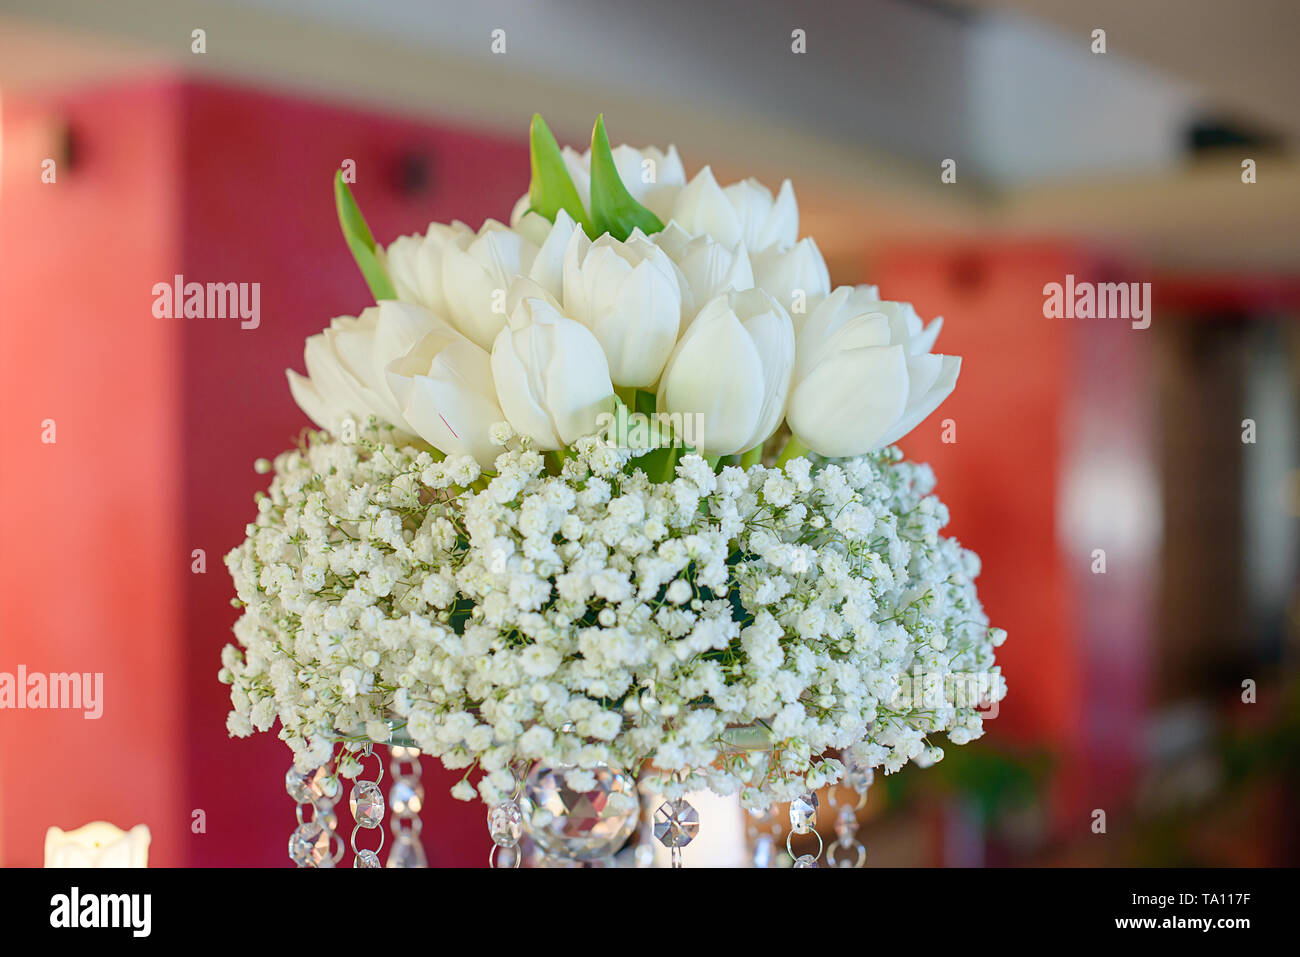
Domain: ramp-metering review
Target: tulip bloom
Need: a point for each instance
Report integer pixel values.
(706, 268)
(863, 374)
(346, 364)
(476, 272)
(628, 295)
(445, 390)
(796, 278)
(550, 372)
(414, 264)
(744, 212)
(733, 366)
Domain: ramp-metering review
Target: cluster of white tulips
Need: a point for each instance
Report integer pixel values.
(686, 297)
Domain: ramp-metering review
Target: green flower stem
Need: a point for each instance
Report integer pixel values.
(753, 457)
(793, 449)
(713, 461)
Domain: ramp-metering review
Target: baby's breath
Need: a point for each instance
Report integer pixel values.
(577, 613)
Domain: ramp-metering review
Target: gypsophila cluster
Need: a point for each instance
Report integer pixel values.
(579, 615)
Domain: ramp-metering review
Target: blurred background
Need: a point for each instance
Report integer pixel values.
(1134, 493)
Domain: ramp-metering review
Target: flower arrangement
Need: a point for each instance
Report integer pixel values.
(477, 549)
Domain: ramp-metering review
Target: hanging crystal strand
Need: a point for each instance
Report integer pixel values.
(367, 805)
(676, 824)
(763, 830)
(505, 824)
(315, 841)
(405, 800)
(846, 840)
(643, 855)
(803, 820)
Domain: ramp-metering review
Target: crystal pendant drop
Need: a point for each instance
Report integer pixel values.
(505, 824)
(405, 796)
(859, 779)
(309, 846)
(676, 823)
(846, 824)
(805, 860)
(803, 813)
(299, 785)
(407, 852)
(578, 824)
(367, 804)
(368, 858)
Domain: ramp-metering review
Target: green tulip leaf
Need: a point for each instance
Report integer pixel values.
(357, 235)
(551, 189)
(613, 210)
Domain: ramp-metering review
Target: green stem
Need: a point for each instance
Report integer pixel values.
(713, 461)
(753, 457)
(793, 449)
(627, 395)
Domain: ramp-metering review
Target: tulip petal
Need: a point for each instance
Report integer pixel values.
(917, 413)
(311, 402)
(702, 208)
(518, 395)
(716, 370)
(449, 407)
(924, 342)
(850, 400)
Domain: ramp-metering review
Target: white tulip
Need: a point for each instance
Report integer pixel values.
(863, 374)
(706, 268)
(445, 390)
(796, 278)
(346, 364)
(733, 366)
(627, 294)
(552, 241)
(414, 264)
(744, 212)
(651, 176)
(476, 273)
(552, 380)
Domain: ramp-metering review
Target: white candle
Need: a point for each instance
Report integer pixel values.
(98, 844)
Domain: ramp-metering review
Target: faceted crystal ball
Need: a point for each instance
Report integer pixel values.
(579, 825)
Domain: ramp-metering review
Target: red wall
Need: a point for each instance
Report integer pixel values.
(159, 423)
(90, 548)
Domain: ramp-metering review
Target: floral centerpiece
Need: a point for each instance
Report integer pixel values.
(611, 491)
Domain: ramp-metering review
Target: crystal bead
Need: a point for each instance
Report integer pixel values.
(405, 796)
(805, 860)
(859, 779)
(581, 825)
(676, 823)
(299, 785)
(846, 824)
(407, 852)
(763, 850)
(367, 804)
(368, 858)
(325, 814)
(504, 824)
(803, 813)
(309, 845)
